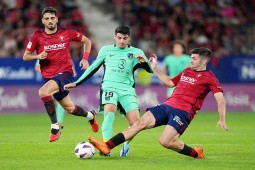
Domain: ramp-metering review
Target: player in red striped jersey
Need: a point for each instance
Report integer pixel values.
(52, 49)
(192, 86)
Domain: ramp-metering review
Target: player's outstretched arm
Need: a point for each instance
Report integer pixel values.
(163, 77)
(84, 64)
(28, 56)
(221, 109)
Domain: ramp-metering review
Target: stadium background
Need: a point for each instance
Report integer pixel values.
(227, 27)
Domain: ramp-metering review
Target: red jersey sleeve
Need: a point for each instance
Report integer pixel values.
(75, 36)
(215, 85)
(33, 43)
(176, 79)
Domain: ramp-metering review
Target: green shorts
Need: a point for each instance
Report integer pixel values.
(124, 100)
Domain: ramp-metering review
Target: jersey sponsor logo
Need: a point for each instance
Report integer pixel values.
(188, 79)
(122, 63)
(130, 55)
(178, 120)
(61, 38)
(29, 45)
(55, 47)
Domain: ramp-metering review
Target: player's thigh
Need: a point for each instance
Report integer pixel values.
(132, 116)
(67, 104)
(49, 88)
(147, 121)
(108, 100)
(128, 103)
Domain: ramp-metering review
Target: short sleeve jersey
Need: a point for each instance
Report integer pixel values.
(57, 46)
(119, 66)
(191, 89)
(176, 64)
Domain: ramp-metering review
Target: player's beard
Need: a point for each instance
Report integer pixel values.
(51, 27)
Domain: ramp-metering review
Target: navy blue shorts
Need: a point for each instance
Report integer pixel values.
(61, 79)
(167, 115)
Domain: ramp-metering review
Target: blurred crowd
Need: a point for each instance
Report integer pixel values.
(225, 26)
(20, 18)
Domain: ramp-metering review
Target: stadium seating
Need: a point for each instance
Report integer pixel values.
(21, 18)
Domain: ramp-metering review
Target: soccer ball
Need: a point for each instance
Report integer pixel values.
(84, 150)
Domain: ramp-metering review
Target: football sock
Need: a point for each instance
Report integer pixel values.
(60, 113)
(78, 111)
(115, 140)
(90, 116)
(54, 128)
(107, 126)
(188, 151)
(50, 108)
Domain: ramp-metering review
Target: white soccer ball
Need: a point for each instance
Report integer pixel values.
(84, 150)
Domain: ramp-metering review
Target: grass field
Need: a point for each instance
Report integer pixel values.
(24, 145)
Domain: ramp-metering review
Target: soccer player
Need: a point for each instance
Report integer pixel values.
(52, 48)
(192, 86)
(117, 89)
(60, 111)
(176, 62)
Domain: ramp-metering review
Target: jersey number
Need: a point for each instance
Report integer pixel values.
(108, 95)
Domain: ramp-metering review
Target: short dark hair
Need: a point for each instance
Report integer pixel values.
(51, 10)
(180, 42)
(123, 29)
(202, 52)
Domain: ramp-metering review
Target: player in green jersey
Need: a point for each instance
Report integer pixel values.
(176, 62)
(118, 86)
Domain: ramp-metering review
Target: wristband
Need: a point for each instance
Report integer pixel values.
(85, 55)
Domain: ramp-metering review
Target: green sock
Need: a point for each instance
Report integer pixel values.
(107, 126)
(60, 113)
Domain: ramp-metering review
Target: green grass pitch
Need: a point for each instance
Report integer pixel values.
(24, 144)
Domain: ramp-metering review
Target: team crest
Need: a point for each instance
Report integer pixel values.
(61, 38)
(130, 55)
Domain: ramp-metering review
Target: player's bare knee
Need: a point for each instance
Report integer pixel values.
(43, 92)
(166, 143)
(132, 122)
(163, 142)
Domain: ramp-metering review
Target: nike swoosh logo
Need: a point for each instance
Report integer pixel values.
(112, 55)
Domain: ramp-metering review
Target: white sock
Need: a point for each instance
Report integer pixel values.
(90, 116)
(55, 126)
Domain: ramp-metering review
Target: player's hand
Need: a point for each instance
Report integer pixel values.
(42, 55)
(222, 124)
(84, 64)
(153, 61)
(140, 58)
(69, 86)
